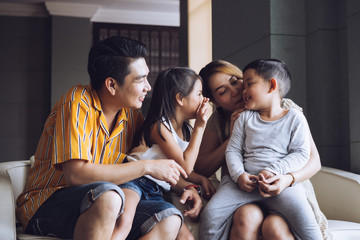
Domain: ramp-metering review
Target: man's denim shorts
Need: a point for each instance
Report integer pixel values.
(58, 215)
(151, 201)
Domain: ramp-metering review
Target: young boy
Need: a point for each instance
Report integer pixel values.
(269, 140)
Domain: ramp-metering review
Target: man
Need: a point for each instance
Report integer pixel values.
(72, 189)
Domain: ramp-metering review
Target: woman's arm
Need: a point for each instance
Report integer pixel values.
(207, 189)
(211, 154)
(278, 183)
(212, 151)
(312, 166)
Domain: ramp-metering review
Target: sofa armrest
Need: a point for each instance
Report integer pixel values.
(7, 206)
(338, 194)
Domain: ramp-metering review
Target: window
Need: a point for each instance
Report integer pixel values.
(162, 45)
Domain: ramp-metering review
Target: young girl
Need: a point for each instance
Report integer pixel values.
(177, 97)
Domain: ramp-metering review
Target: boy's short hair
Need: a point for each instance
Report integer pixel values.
(272, 68)
(111, 58)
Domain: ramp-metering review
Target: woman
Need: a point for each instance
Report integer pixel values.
(223, 86)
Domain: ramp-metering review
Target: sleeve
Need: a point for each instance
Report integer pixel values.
(72, 133)
(234, 149)
(298, 149)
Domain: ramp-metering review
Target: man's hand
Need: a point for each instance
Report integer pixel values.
(166, 170)
(247, 182)
(191, 197)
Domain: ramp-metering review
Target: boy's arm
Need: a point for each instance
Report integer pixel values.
(298, 149)
(234, 150)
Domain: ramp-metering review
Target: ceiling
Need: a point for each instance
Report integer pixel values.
(153, 12)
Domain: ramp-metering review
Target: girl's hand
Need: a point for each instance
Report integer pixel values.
(247, 182)
(273, 186)
(201, 117)
(207, 189)
(234, 116)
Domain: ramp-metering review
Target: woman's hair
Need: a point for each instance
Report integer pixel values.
(272, 68)
(111, 58)
(218, 66)
(162, 106)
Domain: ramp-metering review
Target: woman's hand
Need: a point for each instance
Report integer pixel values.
(274, 186)
(201, 117)
(234, 116)
(207, 189)
(247, 182)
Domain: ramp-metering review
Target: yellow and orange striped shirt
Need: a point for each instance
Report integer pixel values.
(75, 129)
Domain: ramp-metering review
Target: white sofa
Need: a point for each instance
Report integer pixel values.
(337, 191)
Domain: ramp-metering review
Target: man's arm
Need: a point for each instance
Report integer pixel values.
(79, 172)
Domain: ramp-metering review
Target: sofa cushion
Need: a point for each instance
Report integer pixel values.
(344, 230)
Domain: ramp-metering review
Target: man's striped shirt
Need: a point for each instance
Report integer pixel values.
(75, 129)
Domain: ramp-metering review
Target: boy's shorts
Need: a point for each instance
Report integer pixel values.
(58, 215)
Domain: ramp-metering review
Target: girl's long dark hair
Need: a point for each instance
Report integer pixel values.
(162, 106)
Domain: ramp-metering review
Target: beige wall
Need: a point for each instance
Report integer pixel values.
(200, 35)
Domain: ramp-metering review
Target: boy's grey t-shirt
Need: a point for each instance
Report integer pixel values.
(280, 146)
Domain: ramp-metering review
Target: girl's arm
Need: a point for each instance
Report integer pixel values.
(186, 159)
(172, 150)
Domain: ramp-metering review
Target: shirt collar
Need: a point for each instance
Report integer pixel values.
(96, 99)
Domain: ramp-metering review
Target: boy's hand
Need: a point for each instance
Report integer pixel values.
(201, 117)
(247, 182)
(266, 174)
(207, 189)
